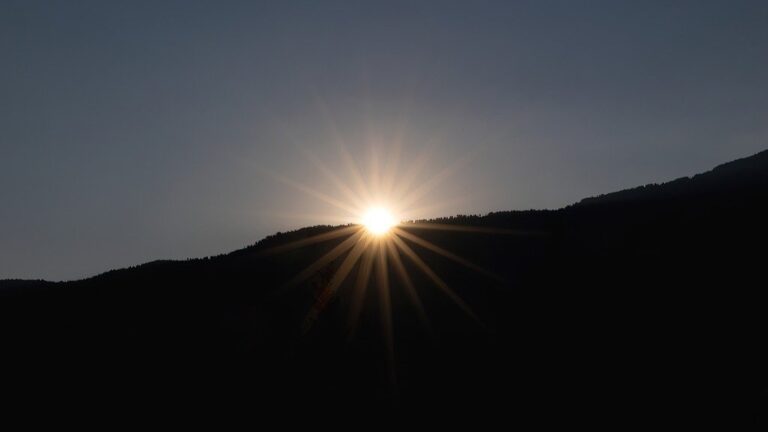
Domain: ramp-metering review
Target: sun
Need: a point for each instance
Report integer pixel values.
(378, 221)
(377, 242)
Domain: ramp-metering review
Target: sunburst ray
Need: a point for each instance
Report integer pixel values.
(421, 265)
(351, 195)
(325, 259)
(354, 172)
(385, 308)
(359, 291)
(319, 195)
(374, 250)
(410, 288)
(319, 238)
(336, 280)
(437, 249)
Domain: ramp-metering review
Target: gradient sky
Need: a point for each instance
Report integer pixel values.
(132, 131)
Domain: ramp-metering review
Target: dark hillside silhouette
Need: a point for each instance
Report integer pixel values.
(640, 307)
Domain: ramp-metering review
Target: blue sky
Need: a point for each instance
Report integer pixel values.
(133, 131)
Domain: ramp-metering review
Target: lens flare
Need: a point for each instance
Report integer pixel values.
(377, 236)
(378, 221)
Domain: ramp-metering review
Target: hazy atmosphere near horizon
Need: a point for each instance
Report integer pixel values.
(134, 131)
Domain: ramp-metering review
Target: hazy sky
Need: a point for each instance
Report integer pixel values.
(133, 131)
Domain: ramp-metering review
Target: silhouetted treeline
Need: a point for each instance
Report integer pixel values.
(644, 307)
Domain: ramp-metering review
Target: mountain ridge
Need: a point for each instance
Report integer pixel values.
(637, 308)
(738, 171)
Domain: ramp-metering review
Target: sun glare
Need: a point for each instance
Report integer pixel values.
(377, 243)
(378, 221)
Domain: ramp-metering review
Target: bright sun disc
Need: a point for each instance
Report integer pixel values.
(378, 221)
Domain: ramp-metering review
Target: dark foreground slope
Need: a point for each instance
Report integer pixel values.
(645, 306)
